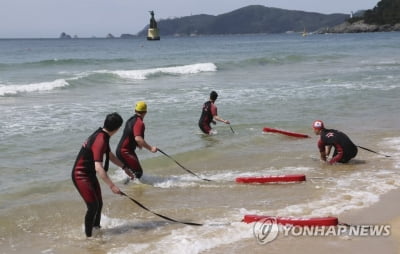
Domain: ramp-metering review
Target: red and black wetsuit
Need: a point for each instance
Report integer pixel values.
(84, 176)
(127, 145)
(207, 117)
(344, 147)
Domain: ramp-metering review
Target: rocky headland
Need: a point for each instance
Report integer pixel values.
(360, 27)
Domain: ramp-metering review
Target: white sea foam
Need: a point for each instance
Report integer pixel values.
(158, 181)
(394, 144)
(354, 191)
(184, 239)
(190, 239)
(189, 180)
(176, 70)
(266, 172)
(35, 87)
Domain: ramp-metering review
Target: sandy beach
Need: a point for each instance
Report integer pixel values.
(386, 211)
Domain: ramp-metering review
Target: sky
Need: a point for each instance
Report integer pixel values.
(97, 18)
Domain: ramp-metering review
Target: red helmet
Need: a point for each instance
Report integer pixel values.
(318, 124)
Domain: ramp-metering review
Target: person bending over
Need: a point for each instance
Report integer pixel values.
(344, 148)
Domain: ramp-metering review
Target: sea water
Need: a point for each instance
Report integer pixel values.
(54, 93)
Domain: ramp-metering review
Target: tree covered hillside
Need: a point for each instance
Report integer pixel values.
(247, 20)
(385, 12)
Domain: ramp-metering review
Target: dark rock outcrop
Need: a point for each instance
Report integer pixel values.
(360, 27)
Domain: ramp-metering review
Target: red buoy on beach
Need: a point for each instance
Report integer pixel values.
(287, 133)
(271, 179)
(316, 221)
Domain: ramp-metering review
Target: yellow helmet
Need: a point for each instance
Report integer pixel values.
(141, 106)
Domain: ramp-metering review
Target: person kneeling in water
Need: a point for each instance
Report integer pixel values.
(345, 149)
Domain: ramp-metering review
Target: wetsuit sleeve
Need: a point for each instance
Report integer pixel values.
(214, 110)
(138, 128)
(99, 147)
(339, 154)
(321, 146)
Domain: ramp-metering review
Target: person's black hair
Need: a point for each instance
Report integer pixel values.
(113, 121)
(213, 95)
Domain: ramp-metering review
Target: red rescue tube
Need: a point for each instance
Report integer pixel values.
(316, 221)
(287, 133)
(271, 179)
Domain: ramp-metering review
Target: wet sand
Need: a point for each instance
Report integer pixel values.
(133, 228)
(386, 211)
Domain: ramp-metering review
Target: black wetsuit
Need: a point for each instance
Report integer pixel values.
(345, 149)
(127, 145)
(84, 176)
(206, 118)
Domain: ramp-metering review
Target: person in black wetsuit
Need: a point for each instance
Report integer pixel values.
(132, 138)
(209, 114)
(89, 162)
(345, 149)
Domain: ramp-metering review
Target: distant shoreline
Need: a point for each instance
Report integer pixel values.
(360, 27)
(346, 27)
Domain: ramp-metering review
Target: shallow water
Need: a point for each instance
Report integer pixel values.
(54, 93)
